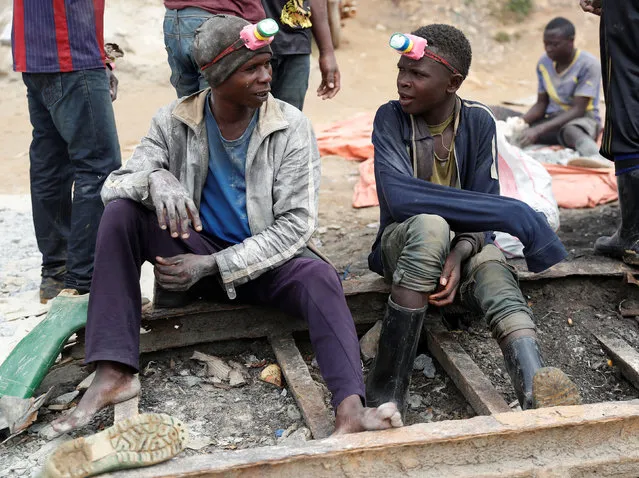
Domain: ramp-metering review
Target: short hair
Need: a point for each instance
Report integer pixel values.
(562, 24)
(450, 43)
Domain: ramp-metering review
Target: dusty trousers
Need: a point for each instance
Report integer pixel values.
(414, 252)
(307, 288)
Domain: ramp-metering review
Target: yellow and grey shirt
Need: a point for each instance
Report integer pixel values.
(581, 78)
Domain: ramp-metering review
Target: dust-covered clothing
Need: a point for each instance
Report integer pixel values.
(581, 78)
(282, 180)
(401, 145)
(414, 253)
(619, 37)
(303, 288)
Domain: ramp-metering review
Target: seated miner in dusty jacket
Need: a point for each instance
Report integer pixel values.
(437, 183)
(222, 193)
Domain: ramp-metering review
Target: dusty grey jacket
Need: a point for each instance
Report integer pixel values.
(282, 180)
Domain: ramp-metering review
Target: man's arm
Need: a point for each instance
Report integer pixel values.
(465, 211)
(295, 205)
(578, 110)
(132, 180)
(538, 110)
(330, 84)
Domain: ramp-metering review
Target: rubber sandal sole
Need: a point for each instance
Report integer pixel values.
(136, 442)
(553, 388)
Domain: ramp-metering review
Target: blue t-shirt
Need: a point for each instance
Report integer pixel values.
(581, 78)
(223, 203)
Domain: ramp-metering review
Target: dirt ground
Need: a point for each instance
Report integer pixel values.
(259, 414)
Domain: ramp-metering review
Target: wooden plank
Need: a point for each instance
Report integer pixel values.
(371, 283)
(126, 409)
(469, 379)
(599, 439)
(304, 389)
(623, 356)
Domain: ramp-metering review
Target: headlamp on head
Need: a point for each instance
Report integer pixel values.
(253, 37)
(408, 45)
(415, 48)
(260, 34)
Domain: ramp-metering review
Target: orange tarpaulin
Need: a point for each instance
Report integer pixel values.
(573, 187)
(576, 187)
(350, 139)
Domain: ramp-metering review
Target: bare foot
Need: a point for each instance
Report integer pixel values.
(353, 417)
(113, 383)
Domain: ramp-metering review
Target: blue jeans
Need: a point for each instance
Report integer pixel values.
(179, 32)
(290, 78)
(74, 147)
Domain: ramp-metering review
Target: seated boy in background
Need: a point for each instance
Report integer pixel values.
(436, 172)
(567, 108)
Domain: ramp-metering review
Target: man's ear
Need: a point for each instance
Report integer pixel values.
(454, 83)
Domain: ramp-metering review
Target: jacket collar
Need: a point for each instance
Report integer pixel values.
(190, 111)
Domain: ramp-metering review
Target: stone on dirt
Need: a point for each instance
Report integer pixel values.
(368, 343)
(424, 363)
(86, 383)
(293, 413)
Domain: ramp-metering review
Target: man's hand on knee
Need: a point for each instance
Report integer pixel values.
(181, 272)
(173, 206)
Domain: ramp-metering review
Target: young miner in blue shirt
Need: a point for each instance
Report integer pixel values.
(438, 188)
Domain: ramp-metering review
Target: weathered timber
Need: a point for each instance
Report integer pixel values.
(589, 440)
(469, 379)
(126, 409)
(623, 356)
(304, 389)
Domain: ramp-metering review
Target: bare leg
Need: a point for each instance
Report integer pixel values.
(409, 298)
(353, 417)
(113, 383)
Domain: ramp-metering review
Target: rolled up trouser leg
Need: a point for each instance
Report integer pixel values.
(414, 252)
(490, 287)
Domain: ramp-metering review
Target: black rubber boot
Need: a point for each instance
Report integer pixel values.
(537, 386)
(624, 243)
(389, 376)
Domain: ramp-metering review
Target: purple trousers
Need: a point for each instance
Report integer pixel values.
(308, 288)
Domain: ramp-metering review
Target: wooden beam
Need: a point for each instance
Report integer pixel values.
(600, 439)
(623, 356)
(469, 379)
(304, 389)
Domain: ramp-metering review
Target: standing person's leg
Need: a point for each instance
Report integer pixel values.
(310, 289)
(179, 32)
(84, 117)
(290, 78)
(489, 286)
(51, 178)
(413, 254)
(128, 236)
(620, 141)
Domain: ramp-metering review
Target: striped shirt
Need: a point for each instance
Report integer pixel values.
(51, 36)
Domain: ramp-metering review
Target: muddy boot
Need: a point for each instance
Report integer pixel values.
(536, 386)
(389, 375)
(624, 243)
(50, 287)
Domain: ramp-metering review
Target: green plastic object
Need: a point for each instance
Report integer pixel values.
(25, 368)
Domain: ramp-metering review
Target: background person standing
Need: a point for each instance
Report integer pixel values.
(181, 20)
(59, 48)
(292, 49)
